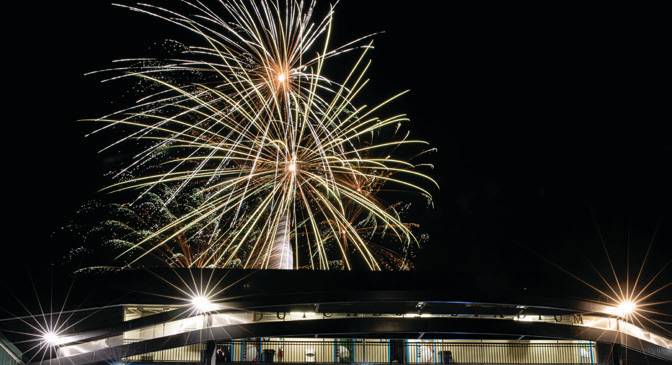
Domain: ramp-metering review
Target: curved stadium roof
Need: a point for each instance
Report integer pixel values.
(298, 303)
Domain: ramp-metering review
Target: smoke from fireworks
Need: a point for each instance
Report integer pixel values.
(291, 165)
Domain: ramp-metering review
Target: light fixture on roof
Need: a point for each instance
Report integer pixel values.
(52, 338)
(202, 304)
(623, 309)
(626, 308)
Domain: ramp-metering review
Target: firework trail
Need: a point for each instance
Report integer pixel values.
(292, 166)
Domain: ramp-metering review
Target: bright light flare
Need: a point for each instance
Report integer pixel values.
(202, 304)
(626, 308)
(52, 338)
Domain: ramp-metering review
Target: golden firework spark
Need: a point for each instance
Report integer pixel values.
(290, 161)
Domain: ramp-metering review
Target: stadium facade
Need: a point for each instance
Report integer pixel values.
(300, 317)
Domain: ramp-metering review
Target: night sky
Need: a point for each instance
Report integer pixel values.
(551, 124)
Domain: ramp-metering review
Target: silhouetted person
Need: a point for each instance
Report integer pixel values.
(220, 356)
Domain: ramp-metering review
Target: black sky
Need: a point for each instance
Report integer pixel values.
(551, 123)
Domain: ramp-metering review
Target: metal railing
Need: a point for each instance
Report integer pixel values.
(382, 351)
(191, 353)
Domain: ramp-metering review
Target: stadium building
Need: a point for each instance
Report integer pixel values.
(300, 317)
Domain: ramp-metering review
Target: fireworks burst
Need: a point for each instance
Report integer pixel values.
(291, 165)
(104, 230)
